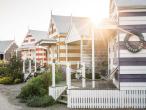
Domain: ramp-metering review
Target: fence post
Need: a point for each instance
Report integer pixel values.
(29, 65)
(68, 75)
(53, 74)
(24, 66)
(83, 75)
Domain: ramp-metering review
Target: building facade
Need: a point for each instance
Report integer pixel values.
(30, 51)
(127, 48)
(7, 49)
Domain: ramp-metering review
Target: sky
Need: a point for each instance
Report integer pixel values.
(17, 16)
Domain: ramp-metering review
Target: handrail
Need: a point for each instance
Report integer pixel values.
(113, 72)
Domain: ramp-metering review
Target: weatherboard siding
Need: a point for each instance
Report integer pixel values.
(132, 65)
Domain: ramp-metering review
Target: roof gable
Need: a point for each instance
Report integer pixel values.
(4, 45)
(38, 35)
(63, 23)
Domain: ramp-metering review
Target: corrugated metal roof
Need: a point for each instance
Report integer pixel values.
(63, 23)
(128, 3)
(38, 35)
(4, 45)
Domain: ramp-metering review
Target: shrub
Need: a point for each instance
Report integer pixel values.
(89, 76)
(37, 86)
(34, 93)
(34, 87)
(40, 101)
(14, 68)
(6, 80)
(16, 81)
(3, 70)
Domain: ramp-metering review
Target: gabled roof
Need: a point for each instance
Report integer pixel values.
(4, 45)
(38, 35)
(63, 23)
(131, 3)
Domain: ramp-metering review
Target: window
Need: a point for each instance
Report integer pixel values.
(32, 40)
(25, 41)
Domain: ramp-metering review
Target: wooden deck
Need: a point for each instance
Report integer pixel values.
(99, 85)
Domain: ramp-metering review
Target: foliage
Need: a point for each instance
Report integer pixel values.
(3, 70)
(16, 81)
(34, 87)
(6, 80)
(15, 68)
(103, 67)
(89, 76)
(34, 93)
(42, 101)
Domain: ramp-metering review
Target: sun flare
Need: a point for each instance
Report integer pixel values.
(99, 11)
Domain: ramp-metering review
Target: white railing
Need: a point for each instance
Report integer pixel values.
(106, 98)
(55, 92)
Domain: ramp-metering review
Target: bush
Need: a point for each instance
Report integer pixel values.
(3, 70)
(6, 80)
(89, 76)
(34, 93)
(34, 87)
(16, 81)
(37, 86)
(42, 101)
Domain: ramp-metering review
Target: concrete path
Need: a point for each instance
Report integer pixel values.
(5, 105)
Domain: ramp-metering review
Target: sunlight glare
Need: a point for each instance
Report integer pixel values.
(99, 11)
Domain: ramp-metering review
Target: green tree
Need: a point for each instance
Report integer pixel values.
(15, 68)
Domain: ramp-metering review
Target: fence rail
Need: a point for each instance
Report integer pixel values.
(55, 92)
(106, 98)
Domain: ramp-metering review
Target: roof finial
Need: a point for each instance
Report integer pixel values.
(14, 37)
(28, 27)
(71, 19)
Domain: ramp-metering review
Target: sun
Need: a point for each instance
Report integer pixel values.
(100, 10)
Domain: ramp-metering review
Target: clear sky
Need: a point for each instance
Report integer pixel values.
(16, 16)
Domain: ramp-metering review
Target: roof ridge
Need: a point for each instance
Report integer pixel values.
(72, 16)
(36, 30)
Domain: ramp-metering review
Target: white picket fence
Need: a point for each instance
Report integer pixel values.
(55, 92)
(106, 98)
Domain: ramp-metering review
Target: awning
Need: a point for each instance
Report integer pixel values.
(46, 42)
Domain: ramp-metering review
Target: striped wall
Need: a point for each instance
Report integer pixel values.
(39, 53)
(132, 66)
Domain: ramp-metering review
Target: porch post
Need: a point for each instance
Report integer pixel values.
(108, 57)
(68, 75)
(66, 53)
(16, 52)
(23, 66)
(29, 65)
(93, 59)
(83, 76)
(53, 74)
(35, 62)
(81, 49)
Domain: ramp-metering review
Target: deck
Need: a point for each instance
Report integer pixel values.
(99, 84)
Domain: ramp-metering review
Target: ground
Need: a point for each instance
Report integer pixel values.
(8, 100)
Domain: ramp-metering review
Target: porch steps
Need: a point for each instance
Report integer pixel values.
(63, 98)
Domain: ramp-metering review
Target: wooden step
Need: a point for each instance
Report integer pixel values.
(62, 101)
(64, 96)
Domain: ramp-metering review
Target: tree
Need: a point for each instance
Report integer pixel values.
(15, 68)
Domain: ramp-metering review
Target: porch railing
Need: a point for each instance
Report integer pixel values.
(106, 98)
(55, 92)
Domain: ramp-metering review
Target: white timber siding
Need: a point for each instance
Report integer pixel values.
(106, 98)
(136, 20)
